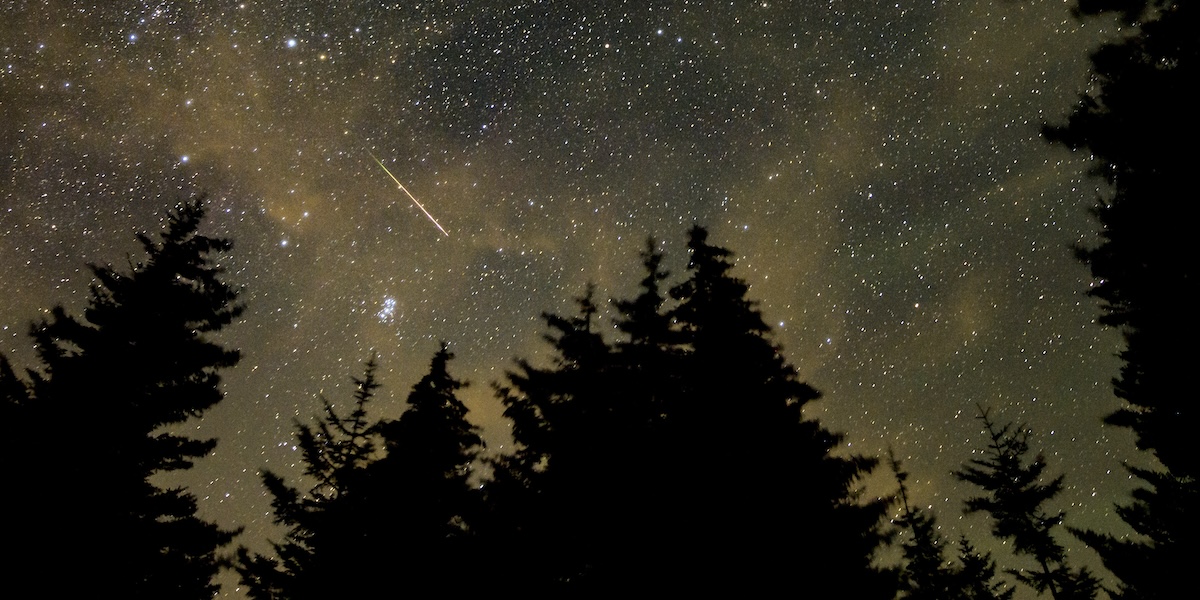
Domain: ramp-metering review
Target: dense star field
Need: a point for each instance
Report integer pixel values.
(877, 167)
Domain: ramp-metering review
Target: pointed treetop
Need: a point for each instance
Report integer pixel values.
(642, 318)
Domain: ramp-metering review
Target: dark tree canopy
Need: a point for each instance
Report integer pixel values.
(746, 450)
(1138, 123)
(320, 523)
(389, 500)
(926, 573)
(678, 458)
(421, 502)
(976, 575)
(110, 386)
(1015, 497)
(559, 496)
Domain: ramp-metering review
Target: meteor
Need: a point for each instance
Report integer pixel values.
(407, 193)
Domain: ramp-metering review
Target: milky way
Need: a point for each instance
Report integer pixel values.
(877, 167)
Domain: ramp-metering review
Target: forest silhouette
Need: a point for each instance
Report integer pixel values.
(676, 458)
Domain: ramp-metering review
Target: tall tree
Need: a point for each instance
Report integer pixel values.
(101, 410)
(591, 457)
(1015, 497)
(647, 360)
(1135, 125)
(976, 576)
(761, 500)
(677, 458)
(926, 572)
(421, 505)
(390, 502)
(550, 493)
(644, 319)
(1137, 121)
(321, 523)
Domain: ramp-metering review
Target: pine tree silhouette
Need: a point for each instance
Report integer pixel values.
(1137, 122)
(1015, 497)
(110, 388)
(421, 503)
(976, 576)
(926, 572)
(554, 490)
(322, 527)
(389, 509)
(762, 500)
(676, 459)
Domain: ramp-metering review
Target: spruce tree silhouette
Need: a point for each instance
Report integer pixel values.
(110, 388)
(421, 506)
(390, 507)
(550, 494)
(583, 493)
(677, 459)
(1138, 122)
(644, 319)
(926, 573)
(321, 524)
(762, 501)
(647, 363)
(15, 395)
(1015, 498)
(976, 576)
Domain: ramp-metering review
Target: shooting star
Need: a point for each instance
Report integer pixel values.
(407, 193)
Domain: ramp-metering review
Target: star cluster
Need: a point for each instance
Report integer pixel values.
(877, 166)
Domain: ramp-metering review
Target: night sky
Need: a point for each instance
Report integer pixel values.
(876, 166)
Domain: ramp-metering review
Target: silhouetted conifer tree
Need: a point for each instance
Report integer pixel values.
(926, 572)
(1015, 497)
(677, 459)
(421, 505)
(15, 397)
(648, 361)
(376, 522)
(323, 526)
(644, 318)
(554, 489)
(1137, 121)
(97, 421)
(760, 502)
(976, 575)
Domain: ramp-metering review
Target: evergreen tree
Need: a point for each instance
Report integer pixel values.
(111, 387)
(926, 572)
(644, 319)
(976, 576)
(421, 503)
(1135, 121)
(1015, 498)
(375, 521)
(321, 523)
(760, 501)
(677, 459)
(554, 489)
(1134, 125)
(15, 396)
(647, 362)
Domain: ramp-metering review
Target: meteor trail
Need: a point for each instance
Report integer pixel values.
(407, 193)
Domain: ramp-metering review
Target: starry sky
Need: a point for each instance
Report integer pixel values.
(877, 167)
